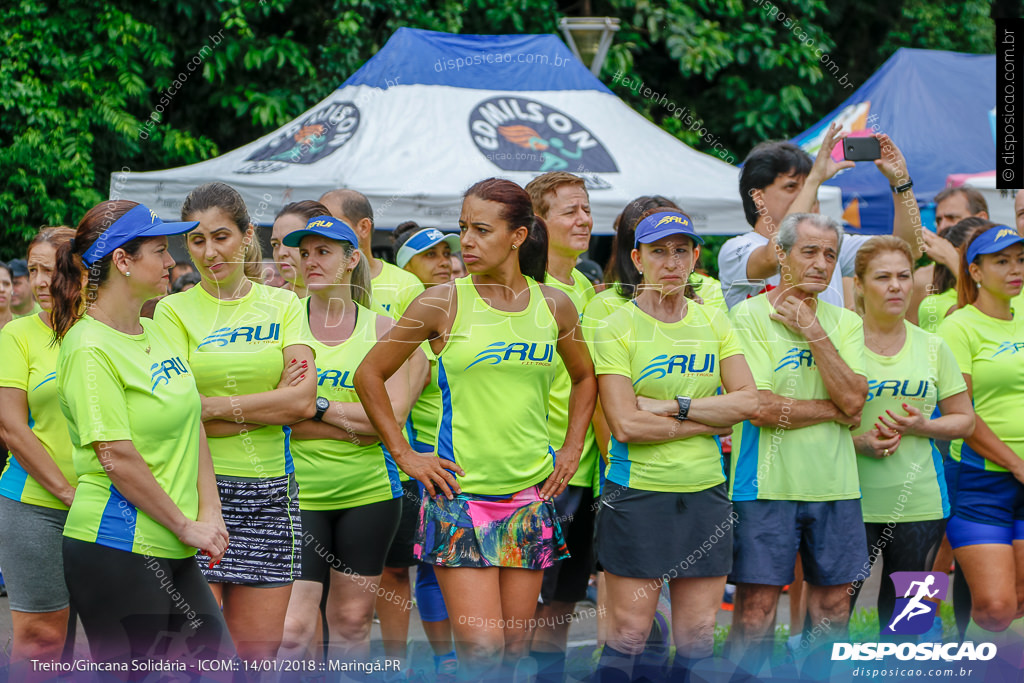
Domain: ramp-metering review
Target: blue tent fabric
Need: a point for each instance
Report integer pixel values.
(513, 62)
(935, 105)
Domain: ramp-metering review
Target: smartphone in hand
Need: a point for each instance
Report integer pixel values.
(861, 149)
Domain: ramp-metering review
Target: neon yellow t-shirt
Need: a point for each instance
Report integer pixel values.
(909, 485)
(495, 374)
(36, 310)
(811, 463)
(580, 292)
(29, 363)
(991, 351)
(932, 309)
(709, 290)
(236, 348)
(120, 387)
(393, 290)
(665, 360)
(334, 475)
(421, 426)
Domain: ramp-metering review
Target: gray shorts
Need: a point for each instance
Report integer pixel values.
(649, 534)
(31, 559)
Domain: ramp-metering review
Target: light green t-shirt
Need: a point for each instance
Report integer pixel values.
(911, 482)
(991, 351)
(236, 347)
(36, 310)
(393, 290)
(709, 290)
(120, 387)
(665, 360)
(813, 463)
(933, 307)
(495, 374)
(29, 362)
(581, 291)
(334, 475)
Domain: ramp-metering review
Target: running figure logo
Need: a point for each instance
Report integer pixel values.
(915, 611)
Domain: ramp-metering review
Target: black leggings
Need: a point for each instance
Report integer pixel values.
(911, 548)
(352, 541)
(138, 607)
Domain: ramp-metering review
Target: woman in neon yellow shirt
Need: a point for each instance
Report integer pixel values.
(38, 483)
(987, 337)
(351, 495)
(495, 334)
(247, 345)
(146, 497)
(660, 361)
(903, 485)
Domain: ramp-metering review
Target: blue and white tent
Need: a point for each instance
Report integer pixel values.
(432, 113)
(936, 106)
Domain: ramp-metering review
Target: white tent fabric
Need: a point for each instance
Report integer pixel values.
(433, 113)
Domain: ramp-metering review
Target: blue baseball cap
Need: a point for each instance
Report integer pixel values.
(140, 221)
(325, 226)
(662, 224)
(993, 240)
(423, 240)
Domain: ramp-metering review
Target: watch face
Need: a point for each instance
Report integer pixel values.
(322, 403)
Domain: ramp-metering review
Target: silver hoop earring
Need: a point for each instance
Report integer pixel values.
(515, 246)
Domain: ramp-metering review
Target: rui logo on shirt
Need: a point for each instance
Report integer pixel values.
(335, 378)
(248, 334)
(1012, 347)
(794, 358)
(896, 388)
(160, 372)
(526, 354)
(684, 364)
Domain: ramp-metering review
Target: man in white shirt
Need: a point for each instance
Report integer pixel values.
(778, 179)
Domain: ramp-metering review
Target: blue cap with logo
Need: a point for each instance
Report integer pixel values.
(993, 240)
(662, 224)
(324, 226)
(423, 240)
(140, 221)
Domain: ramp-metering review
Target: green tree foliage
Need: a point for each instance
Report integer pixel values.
(88, 87)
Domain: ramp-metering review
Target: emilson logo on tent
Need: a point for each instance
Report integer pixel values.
(518, 134)
(306, 140)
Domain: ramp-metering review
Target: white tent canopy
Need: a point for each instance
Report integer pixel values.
(432, 113)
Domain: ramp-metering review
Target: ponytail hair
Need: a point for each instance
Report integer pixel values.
(966, 287)
(222, 196)
(74, 285)
(517, 211)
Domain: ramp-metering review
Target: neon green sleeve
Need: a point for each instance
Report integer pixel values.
(951, 380)
(90, 373)
(958, 340)
(171, 327)
(611, 352)
(294, 329)
(850, 343)
(14, 368)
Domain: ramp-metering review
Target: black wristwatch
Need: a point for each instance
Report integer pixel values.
(322, 404)
(684, 407)
(899, 189)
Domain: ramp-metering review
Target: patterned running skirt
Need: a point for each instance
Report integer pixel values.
(264, 530)
(512, 530)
